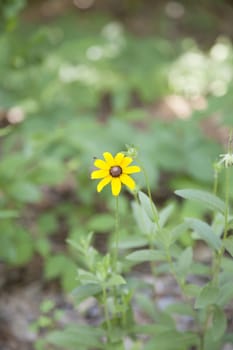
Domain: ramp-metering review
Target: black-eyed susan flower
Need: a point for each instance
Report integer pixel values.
(114, 170)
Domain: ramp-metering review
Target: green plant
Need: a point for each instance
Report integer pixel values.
(205, 290)
(9, 9)
(57, 79)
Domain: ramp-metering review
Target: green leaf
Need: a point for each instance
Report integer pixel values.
(178, 231)
(207, 296)
(76, 337)
(184, 262)
(226, 264)
(210, 343)
(228, 338)
(219, 323)
(210, 200)
(54, 266)
(86, 277)
(116, 346)
(225, 294)
(57, 266)
(83, 292)
(101, 223)
(132, 242)
(149, 308)
(42, 245)
(181, 309)
(8, 214)
(146, 255)
(228, 244)
(164, 238)
(200, 269)
(148, 206)
(68, 280)
(50, 171)
(192, 290)
(165, 213)
(47, 305)
(44, 321)
(152, 328)
(172, 340)
(47, 223)
(22, 247)
(230, 222)
(218, 224)
(25, 192)
(143, 221)
(163, 321)
(205, 232)
(115, 280)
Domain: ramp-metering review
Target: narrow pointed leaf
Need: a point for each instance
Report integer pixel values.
(228, 244)
(172, 340)
(83, 292)
(219, 323)
(184, 262)
(208, 199)
(205, 232)
(208, 296)
(178, 231)
(115, 280)
(145, 224)
(148, 206)
(165, 214)
(146, 255)
(226, 294)
(76, 337)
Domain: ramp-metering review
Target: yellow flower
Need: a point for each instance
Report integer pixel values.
(114, 170)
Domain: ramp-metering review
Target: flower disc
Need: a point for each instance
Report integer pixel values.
(115, 171)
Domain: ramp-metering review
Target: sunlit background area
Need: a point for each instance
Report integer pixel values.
(81, 77)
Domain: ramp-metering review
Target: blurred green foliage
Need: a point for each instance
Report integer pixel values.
(9, 10)
(73, 88)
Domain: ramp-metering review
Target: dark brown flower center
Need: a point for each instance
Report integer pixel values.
(115, 171)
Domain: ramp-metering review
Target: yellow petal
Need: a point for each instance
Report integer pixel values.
(103, 183)
(98, 174)
(125, 162)
(116, 186)
(128, 181)
(109, 158)
(99, 163)
(132, 169)
(118, 158)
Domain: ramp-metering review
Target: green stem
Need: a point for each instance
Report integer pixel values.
(116, 238)
(205, 328)
(226, 216)
(152, 263)
(173, 271)
(219, 254)
(106, 313)
(116, 250)
(215, 190)
(215, 187)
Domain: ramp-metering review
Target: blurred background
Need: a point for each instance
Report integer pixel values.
(82, 77)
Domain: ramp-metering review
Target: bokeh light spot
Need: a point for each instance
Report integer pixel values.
(174, 10)
(83, 4)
